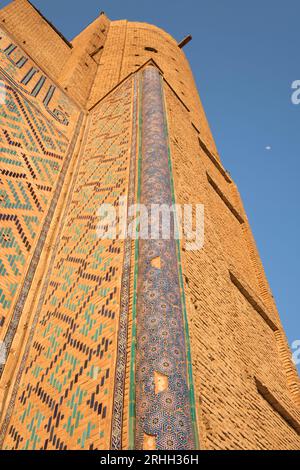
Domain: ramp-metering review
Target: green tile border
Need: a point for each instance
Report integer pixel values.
(132, 390)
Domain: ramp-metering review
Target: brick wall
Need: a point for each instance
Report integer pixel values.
(247, 389)
(80, 71)
(232, 340)
(36, 36)
(127, 49)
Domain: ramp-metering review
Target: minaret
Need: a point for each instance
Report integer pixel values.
(126, 341)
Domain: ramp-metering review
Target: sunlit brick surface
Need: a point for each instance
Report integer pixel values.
(64, 396)
(71, 138)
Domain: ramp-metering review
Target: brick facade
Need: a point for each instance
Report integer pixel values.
(76, 127)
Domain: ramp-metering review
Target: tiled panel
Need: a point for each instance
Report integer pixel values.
(66, 381)
(34, 141)
(120, 417)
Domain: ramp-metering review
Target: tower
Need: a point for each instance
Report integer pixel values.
(126, 342)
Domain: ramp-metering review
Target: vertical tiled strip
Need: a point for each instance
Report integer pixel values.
(121, 361)
(163, 408)
(132, 390)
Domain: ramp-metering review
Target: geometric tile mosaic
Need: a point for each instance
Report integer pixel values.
(64, 391)
(32, 151)
(35, 131)
(163, 406)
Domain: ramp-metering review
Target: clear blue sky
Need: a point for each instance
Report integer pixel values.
(244, 55)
